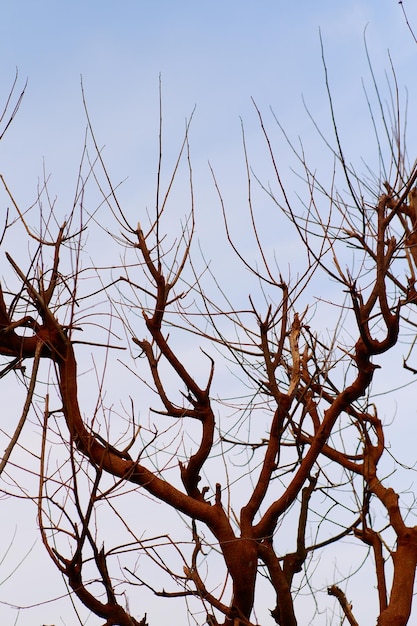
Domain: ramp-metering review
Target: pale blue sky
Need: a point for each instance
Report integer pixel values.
(213, 55)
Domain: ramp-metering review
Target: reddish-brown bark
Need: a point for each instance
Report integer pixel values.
(287, 366)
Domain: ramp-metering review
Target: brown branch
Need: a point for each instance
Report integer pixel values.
(398, 609)
(28, 403)
(283, 612)
(349, 395)
(346, 607)
(103, 457)
(294, 561)
(111, 611)
(269, 464)
(372, 538)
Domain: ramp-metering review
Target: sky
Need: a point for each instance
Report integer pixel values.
(212, 58)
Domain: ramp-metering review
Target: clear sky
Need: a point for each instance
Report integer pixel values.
(214, 56)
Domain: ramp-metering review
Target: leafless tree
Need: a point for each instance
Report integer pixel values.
(265, 477)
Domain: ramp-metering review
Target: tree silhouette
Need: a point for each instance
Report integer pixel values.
(264, 478)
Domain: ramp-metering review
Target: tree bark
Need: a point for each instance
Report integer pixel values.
(398, 610)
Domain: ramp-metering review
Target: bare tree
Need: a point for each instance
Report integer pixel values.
(287, 465)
